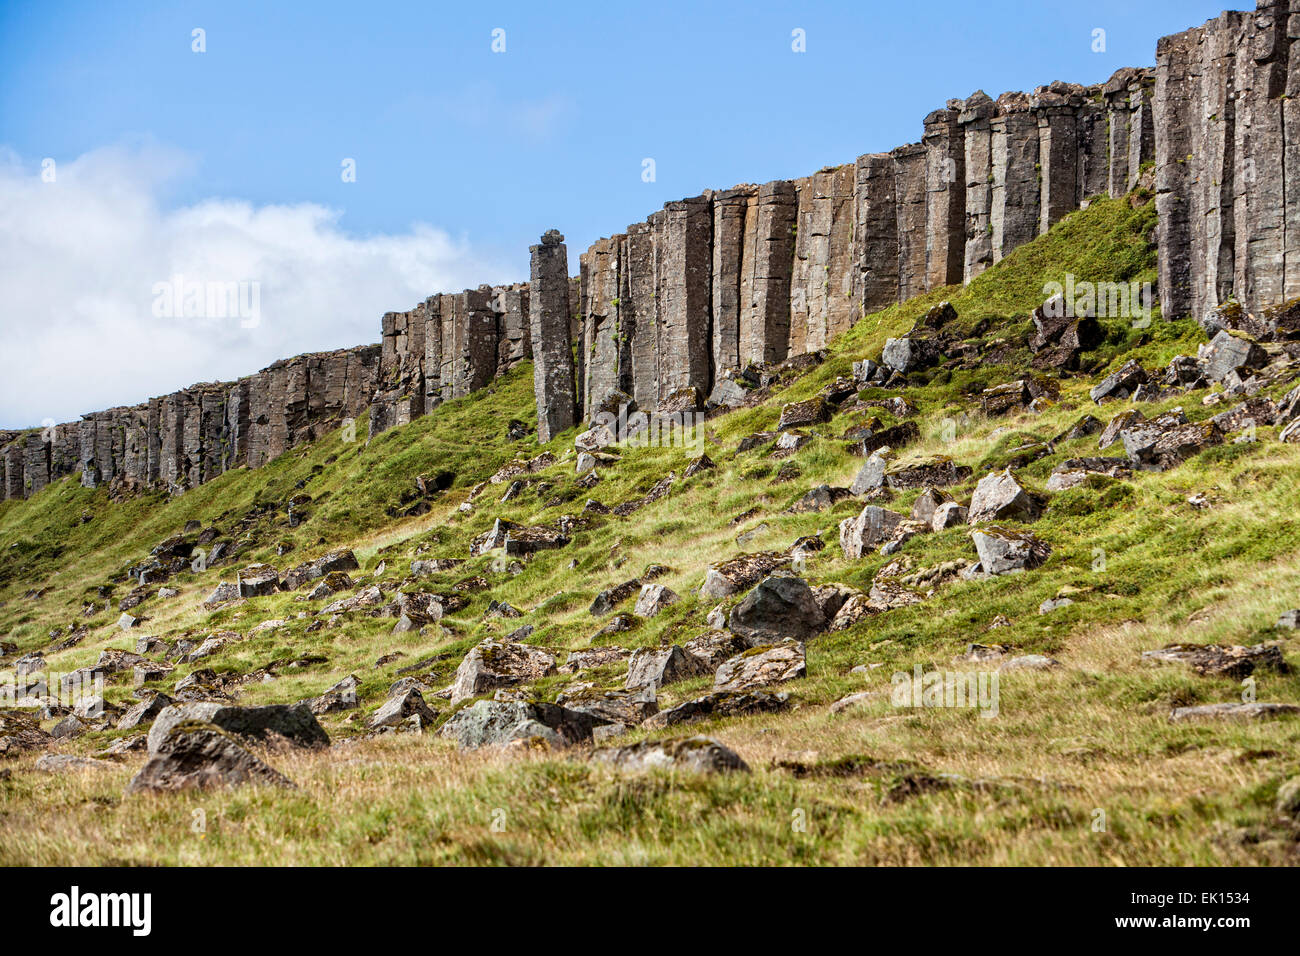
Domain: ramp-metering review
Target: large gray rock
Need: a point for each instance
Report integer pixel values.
(656, 666)
(400, 707)
(495, 722)
(294, 722)
(1003, 551)
(196, 756)
(870, 476)
(653, 599)
(627, 707)
(1168, 440)
(762, 666)
(1227, 352)
(744, 571)
(1000, 497)
(780, 607)
(258, 580)
(1121, 383)
(493, 664)
(872, 527)
(610, 598)
(717, 705)
(144, 711)
(909, 354)
(338, 560)
(695, 754)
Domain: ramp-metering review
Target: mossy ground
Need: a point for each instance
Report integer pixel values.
(1092, 735)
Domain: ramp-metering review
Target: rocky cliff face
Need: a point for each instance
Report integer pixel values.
(664, 311)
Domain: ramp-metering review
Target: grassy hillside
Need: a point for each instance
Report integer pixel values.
(869, 784)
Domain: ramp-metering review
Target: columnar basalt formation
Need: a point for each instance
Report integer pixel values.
(664, 310)
(551, 333)
(1225, 116)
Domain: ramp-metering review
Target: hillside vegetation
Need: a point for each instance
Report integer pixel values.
(1081, 765)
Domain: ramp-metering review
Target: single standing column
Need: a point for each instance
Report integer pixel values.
(548, 317)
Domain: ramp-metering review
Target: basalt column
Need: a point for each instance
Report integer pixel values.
(821, 294)
(1056, 107)
(765, 311)
(976, 117)
(433, 338)
(875, 234)
(1267, 208)
(36, 462)
(14, 480)
(510, 303)
(1131, 133)
(1014, 191)
(550, 331)
(1214, 233)
(1092, 132)
(910, 197)
(1177, 83)
(732, 210)
(945, 199)
(641, 314)
(684, 284)
(602, 343)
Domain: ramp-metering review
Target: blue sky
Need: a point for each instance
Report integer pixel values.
(490, 149)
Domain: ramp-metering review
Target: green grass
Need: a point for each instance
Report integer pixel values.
(869, 782)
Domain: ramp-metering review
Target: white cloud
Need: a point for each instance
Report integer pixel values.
(81, 257)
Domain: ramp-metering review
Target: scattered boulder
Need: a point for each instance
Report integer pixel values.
(779, 607)
(762, 665)
(258, 580)
(872, 527)
(294, 723)
(657, 666)
(1003, 551)
(694, 754)
(744, 571)
(720, 704)
(814, 411)
(1000, 497)
(341, 560)
(1214, 660)
(910, 354)
(1121, 383)
(653, 599)
(819, 499)
(144, 711)
(496, 722)
(494, 664)
(1169, 440)
(342, 696)
(192, 755)
(1228, 352)
(950, 514)
(19, 733)
(714, 647)
(610, 598)
(627, 707)
(223, 593)
(399, 708)
(895, 436)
